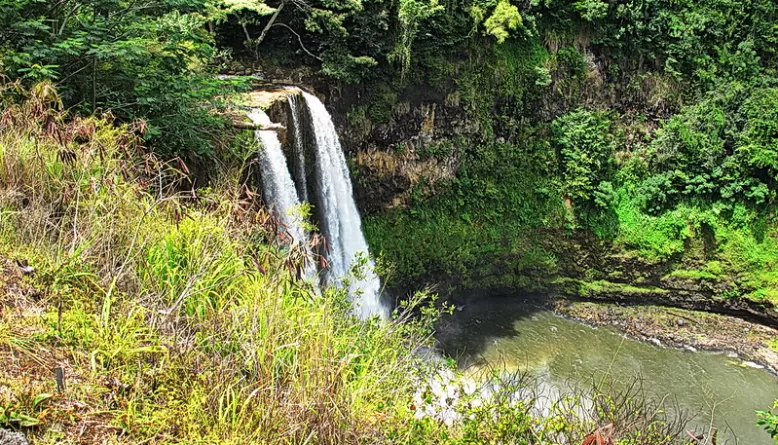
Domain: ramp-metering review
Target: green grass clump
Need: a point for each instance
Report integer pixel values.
(687, 274)
(752, 260)
(653, 237)
(710, 271)
(607, 287)
(604, 289)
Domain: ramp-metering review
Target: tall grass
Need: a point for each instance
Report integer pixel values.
(178, 318)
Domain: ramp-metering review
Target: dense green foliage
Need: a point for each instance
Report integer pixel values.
(721, 149)
(625, 130)
(151, 59)
(585, 146)
(137, 59)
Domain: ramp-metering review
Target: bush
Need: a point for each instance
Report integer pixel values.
(585, 145)
(721, 149)
(149, 61)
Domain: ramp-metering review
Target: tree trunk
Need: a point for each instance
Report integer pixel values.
(247, 34)
(268, 26)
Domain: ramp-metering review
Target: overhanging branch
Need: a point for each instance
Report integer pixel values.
(269, 24)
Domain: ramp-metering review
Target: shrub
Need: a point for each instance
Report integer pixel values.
(585, 145)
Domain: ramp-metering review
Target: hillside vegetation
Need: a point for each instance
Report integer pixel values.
(134, 312)
(607, 149)
(621, 148)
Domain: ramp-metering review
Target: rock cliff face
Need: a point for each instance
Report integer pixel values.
(417, 138)
(598, 271)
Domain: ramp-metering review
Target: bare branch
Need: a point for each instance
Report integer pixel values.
(66, 18)
(246, 33)
(299, 39)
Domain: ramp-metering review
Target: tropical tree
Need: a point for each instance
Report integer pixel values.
(137, 58)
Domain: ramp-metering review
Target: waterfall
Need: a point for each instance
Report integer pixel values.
(278, 187)
(341, 223)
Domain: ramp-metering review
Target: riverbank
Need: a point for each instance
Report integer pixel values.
(753, 343)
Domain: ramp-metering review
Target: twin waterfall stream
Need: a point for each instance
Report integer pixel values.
(330, 194)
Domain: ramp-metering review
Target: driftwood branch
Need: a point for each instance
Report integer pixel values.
(252, 126)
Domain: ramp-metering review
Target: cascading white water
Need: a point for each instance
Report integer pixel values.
(299, 148)
(341, 222)
(277, 184)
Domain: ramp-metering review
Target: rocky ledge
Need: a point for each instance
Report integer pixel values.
(751, 342)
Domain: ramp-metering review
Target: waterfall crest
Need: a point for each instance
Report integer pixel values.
(341, 223)
(331, 194)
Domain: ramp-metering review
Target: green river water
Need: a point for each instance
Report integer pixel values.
(562, 354)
